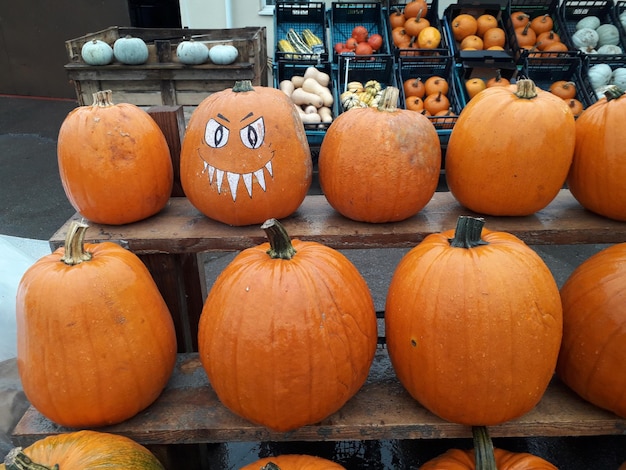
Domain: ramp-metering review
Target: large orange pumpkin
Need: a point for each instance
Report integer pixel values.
(288, 332)
(510, 150)
(245, 156)
(598, 173)
(114, 162)
(95, 340)
(83, 450)
(293, 462)
(380, 164)
(484, 457)
(592, 356)
(473, 324)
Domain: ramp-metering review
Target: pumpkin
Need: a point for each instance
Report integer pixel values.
(288, 332)
(596, 177)
(383, 176)
(130, 50)
(496, 158)
(96, 52)
(114, 162)
(608, 34)
(473, 324)
(95, 340)
(223, 54)
(293, 462)
(484, 457)
(591, 360)
(245, 156)
(192, 52)
(82, 450)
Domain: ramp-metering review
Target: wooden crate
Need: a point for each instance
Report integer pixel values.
(163, 80)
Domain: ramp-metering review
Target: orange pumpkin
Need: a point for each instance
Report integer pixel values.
(591, 361)
(114, 162)
(83, 450)
(496, 158)
(596, 177)
(293, 462)
(245, 156)
(95, 340)
(473, 324)
(483, 456)
(382, 176)
(288, 332)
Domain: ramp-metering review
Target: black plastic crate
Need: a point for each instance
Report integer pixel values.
(433, 17)
(301, 16)
(613, 61)
(286, 70)
(425, 67)
(485, 69)
(545, 71)
(499, 10)
(363, 69)
(344, 17)
(572, 11)
(620, 9)
(534, 9)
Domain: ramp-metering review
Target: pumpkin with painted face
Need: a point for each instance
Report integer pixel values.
(245, 156)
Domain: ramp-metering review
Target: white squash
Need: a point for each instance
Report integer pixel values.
(192, 52)
(130, 50)
(619, 77)
(96, 52)
(622, 19)
(591, 22)
(609, 49)
(607, 34)
(223, 54)
(585, 39)
(599, 75)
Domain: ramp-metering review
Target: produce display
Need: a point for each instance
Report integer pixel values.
(304, 44)
(411, 29)
(536, 34)
(312, 94)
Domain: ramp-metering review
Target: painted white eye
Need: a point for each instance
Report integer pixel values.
(216, 134)
(253, 134)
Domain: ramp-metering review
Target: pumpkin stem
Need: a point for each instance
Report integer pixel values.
(526, 89)
(280, 243)
(74, 244)
(483, 449)
(467, 232)
(103, 99)
(612, 92)
(389, 99)
(270, 466)
(242, 85)
(16, 459)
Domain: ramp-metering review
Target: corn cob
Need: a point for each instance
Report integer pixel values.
(311, 39)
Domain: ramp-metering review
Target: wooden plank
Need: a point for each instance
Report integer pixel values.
(188, 411)
(180, 228)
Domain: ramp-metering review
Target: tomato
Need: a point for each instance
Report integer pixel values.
(375, 41)
(360, 33)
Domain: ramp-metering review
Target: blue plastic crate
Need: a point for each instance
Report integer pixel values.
(433, 17)
(301, 16)
(425, 67)
(286, 70)
(344, 17)
(362, 69)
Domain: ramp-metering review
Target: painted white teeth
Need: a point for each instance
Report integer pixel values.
(216, 176)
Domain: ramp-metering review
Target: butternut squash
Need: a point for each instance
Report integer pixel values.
(303, 98)
(320, 77)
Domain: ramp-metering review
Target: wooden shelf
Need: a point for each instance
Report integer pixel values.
(188, 411)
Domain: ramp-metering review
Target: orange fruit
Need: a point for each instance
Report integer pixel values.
(471, 42)
(485, 22)
(463, 25)
(494, 37)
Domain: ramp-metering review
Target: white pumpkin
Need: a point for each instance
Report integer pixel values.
(223, 54)
(609, 49)
(591, 22)
(607, 34)
(622, 19)
(96, 52)
(599, 75)
(130, 50)
(585, 39)
(192, 52)
(619, 77)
